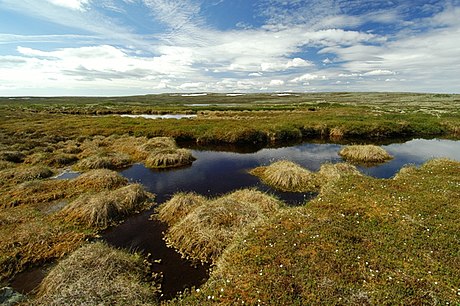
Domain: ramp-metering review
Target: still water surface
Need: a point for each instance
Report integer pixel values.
(215, 173)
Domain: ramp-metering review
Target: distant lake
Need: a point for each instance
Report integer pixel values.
(168, 116)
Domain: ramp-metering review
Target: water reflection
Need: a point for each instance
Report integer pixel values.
(215, 173)
(168, 116)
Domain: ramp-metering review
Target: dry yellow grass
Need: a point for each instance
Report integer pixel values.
(104, 161)
(169, 158)
(103, 208)
(365, 154)
(287, 176)
(208, 229)
(100, 179)
(21, 174)
(332, 172)
(178, 207)
(97, 274)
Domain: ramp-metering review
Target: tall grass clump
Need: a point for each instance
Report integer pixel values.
(99, 179)
(97, 274)
(287, 176)
(365, 154)
(179, 206)
(333, 172)
(104, 161)
(12, 156)
(22, 174)
(208, 229)
(101, 209)
(169, 158)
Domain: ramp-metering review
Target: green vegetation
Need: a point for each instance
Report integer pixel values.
(366, 154)
(97, 274)
(245, 119)
(362, 241)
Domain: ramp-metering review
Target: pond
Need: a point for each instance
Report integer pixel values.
(215, 173)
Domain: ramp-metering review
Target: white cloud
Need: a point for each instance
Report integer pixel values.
(276, 83)
(282, 66)
(79, 5)
(378, 72)
(304, 78)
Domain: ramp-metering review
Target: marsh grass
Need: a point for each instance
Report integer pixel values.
(180, 205)
(6, 164)
(12, 156)
(104, 161)
(206, 231)
(365, 154)
(99, 179)
(329, 172)
(362, 241)
(97, 274)
(169, 158)
(24, 173)
(287, 176)
(106, 207)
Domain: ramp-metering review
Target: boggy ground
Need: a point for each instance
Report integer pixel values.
(362, 241)
(252, 118)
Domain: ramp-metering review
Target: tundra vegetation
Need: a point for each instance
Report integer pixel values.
(366, 154)
(360, 241)
(288, 176)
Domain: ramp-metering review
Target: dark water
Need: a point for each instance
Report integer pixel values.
(218, 172)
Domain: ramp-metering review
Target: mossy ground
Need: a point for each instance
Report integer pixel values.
(362, 241)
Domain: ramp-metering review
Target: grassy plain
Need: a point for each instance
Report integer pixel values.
(361, 241)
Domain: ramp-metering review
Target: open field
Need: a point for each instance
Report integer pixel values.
(361, 241)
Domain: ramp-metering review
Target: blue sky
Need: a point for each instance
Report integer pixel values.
(125, 47)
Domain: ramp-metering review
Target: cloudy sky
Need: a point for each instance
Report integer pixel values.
(125, 47)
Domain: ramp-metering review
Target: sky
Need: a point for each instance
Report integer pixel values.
(131, 47)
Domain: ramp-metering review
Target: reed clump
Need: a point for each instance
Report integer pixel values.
(99, 179)
(179, 206)
(287, 176)
(103, 208)
(207, 230)
(97, 274)
(169, 158)
(365, 154)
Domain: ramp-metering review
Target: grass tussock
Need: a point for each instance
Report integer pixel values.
(169, 158)
(104, 161)
(57, 160)
(365, 241)
(365, 154)
(101, 209)
(21, 174)
(287, 176)
(97, 274)
(332, 172)
(180, 205)
(100, 179)
(206, 231)
(12, 156)
(6, 164)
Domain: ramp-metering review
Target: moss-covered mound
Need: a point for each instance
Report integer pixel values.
(365, 154)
